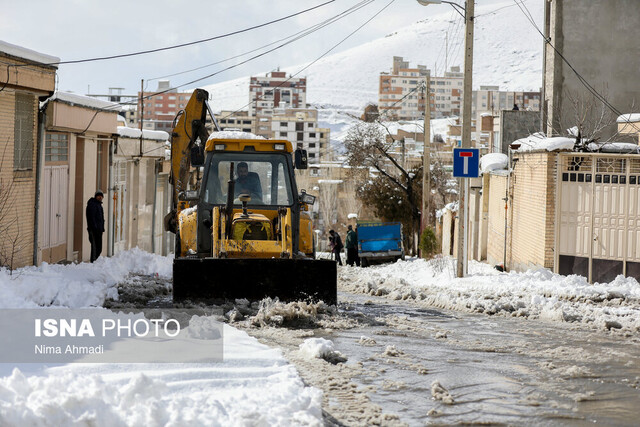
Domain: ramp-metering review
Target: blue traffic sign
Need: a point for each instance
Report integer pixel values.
(466, 162)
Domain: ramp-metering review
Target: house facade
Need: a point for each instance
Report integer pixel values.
(31, 78)
(78, 135)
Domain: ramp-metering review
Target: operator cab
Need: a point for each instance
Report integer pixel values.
(266, 177)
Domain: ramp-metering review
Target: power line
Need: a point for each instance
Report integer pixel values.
(319, 58)
(144, 52)
(295, 36)
(582, 80)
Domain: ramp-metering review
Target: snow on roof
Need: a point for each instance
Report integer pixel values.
(31, 55)
(614, 147)
(84, 101)
(330, 181)
(493, 161)
(233, 134)
(128, 132)
(635, 117)
(539, 142)
(122, 120)
(352, 215)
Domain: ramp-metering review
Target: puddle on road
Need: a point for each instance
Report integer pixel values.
(497, 370)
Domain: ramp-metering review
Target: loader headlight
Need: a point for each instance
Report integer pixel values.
(307, 198)
(219, 147)
(280, 147)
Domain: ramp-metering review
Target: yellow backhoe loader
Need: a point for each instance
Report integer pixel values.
(242, 228)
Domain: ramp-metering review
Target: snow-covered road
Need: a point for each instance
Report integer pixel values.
(257, 385)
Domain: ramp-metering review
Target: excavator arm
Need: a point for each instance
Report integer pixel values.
(185, 150)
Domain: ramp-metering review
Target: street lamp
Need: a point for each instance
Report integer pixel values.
(467, 13)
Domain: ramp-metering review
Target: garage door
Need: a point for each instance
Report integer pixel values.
(598, 216)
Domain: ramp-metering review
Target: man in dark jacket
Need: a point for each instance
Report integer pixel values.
(351, 244)
(95, 224)
(337, 245)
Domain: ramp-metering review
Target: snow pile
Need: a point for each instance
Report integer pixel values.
(128, 132)
(539, 142)
(316, 348)
(320, 348)
(626, 118)
(535, 294)
(493, 161)
(233, 134)
(29, 54)
(614, 147)
(85, 101)
(77, 285)
(253, 386)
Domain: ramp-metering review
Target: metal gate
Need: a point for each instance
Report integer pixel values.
(598, 224)
(54, 195)
(120, 207)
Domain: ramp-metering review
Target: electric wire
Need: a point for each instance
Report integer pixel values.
(582, 80)
(315, 26)
(161, 49)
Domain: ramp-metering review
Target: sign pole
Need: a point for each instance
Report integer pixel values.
(466, 135)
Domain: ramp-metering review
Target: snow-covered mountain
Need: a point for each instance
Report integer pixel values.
(507, 52)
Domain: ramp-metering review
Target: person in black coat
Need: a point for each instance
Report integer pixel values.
(337, 245)
(95, 224)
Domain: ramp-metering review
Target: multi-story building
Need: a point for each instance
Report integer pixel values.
(300, 126)
(490, 99)
(236, 120)
(401, 92)
(158, 111)
(275, 89)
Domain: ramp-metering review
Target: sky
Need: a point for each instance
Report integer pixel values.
(78, 29)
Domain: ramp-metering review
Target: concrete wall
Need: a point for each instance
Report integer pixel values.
(517, 124)
(598, 38)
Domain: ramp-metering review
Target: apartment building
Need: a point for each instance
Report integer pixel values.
(236, 120)
(276, 89)
(158, 111)
(490, 99)
(401, 92)
(300, 126)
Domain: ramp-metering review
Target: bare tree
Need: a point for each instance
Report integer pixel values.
(10, 243)
(367, 145)
(328, 204)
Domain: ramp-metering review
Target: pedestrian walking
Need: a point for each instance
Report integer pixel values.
(351, 244)
(95, 224)
(337, 245)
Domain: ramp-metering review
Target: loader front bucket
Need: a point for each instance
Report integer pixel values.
(211, 279)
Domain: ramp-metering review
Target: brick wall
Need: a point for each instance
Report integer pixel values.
(18, 213)
(531, 231)
(495, 217)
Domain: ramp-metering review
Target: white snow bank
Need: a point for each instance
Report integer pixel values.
(253, 386)
(493, 161)
(535, 294)
(539, 142)
(76, 285)
(128, 132)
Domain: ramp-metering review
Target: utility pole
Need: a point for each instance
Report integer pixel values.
(141, 112)
(426, 158)
(463, 183)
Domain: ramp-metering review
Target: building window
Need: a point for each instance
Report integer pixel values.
(312, 135)
(56, 148)
(23, 132)
(283, 134)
